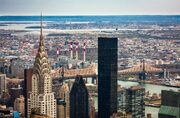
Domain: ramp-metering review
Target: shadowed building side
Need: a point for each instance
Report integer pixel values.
(107, 76)
(79, 99)
(27, 88)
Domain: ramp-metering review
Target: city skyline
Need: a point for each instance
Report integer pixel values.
(89, 59)
(83, 7)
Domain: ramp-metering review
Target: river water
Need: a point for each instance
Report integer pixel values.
(152, 89)
(148, 87)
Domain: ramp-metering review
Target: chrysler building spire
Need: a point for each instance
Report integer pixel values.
(41, 35)
(42, 96)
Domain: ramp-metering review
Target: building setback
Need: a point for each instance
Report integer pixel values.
(107, 76)
(41, 96)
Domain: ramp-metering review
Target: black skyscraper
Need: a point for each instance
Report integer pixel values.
(79, 99)
(107, 77)
(170, 104)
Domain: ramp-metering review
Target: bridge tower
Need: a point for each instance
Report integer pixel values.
(143, 74)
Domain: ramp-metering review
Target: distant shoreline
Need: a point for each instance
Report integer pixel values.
(100, 15)
(150, 83)
(124, 18)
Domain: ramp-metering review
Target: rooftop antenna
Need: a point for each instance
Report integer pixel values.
(41, 35)
(41, 23)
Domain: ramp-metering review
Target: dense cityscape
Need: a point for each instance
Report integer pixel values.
(90, 66)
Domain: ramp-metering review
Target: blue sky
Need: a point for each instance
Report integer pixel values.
(89, 7)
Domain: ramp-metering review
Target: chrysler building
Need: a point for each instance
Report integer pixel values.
(42, 97)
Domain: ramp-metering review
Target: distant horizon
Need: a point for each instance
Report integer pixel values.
(97, 18)
(89, 7)
(91, 15)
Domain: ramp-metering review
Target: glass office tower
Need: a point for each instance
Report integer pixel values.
(107, 76)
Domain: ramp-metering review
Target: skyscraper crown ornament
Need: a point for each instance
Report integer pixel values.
(42, 96)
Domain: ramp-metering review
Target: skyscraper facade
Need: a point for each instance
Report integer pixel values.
(92, 109)
(79, 99)
(121, 96)
(42, 97)
(170, 104)
(107, 76)
(63, 108)
(19, 105)
(27, 88)
(2, 83)
(131, 100)
(135, 101)
(15, 93)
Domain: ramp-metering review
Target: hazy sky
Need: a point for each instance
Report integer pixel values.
(89, 7)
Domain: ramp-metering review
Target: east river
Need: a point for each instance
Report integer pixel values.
(152, 89)
(148, 87)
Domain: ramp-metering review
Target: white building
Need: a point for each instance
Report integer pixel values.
(42, 97)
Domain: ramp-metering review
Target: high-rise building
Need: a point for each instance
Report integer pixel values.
(121, 96)
(27, 88)
(5, 67)
(135, 101)
(2, 83)
(92, 109)
(131, 100)
(170, 104)
(63, 106)
(15, 93)
(107, 76)
(79, 99)
(19, 105)
(42, 96)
